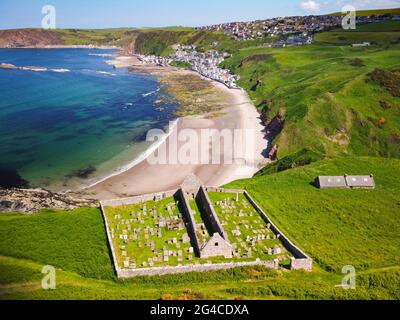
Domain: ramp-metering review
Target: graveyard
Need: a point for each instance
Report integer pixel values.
(151, 234)
(247, 232)
(163, 232)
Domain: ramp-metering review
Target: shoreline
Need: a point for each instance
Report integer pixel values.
(141, 157)
(139, 177)
(68, 47)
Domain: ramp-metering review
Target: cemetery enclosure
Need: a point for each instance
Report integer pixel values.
(182, 231)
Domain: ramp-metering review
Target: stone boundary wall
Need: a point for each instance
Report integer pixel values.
(223, 190)
(273, 264)
(300, 260)
(114, 256)
(208, 208)
(191, 227)
(139, 199)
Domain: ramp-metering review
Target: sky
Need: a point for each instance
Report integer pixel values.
(160, 13)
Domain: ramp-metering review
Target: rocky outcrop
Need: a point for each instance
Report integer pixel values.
(273, 153)
(8, 66)
(34, 200)
(29, 38)
(275, 126)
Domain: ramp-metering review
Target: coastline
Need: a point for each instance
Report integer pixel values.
(140, 177)
(141, 157)
(68, 47)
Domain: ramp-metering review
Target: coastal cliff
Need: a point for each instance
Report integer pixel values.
(40, 38)
(29, 38)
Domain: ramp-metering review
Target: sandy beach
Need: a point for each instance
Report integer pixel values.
(238, 113)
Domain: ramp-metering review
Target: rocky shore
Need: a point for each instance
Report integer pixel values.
(9, 66)
(29, 201)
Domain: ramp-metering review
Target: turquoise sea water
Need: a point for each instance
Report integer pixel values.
(60, 130)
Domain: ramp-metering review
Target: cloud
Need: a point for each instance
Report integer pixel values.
(310, 6)
(361, 4)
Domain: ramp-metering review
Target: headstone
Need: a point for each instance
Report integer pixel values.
(185, 238)
(277, 249)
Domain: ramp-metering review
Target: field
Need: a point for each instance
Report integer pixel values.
(74, 241)
(325, 97)
(337, 227)
(383, 33)
(394, 11)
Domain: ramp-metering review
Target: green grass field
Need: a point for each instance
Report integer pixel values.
(336, 227)
(330, 105)
(363, 13)
(120, 37)
(383, 33)
(74, 241)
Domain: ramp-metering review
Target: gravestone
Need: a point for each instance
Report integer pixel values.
(277, 249)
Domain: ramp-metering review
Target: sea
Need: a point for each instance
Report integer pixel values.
(76, 123)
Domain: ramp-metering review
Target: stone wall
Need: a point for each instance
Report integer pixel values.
(273, 264)
(300, 260)
(191, 222)
(111, 246)
(207, 207)
(216, 247)
(139, 199)
(301, 264)
(224, 190)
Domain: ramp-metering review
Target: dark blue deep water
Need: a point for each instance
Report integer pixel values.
(63, 129)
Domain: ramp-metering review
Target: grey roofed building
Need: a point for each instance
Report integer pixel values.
(324, 182)
(360, 181)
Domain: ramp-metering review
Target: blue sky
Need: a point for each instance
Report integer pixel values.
(152, 13)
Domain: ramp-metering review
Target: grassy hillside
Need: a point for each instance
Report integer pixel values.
(160, 41)
(74, 241)
(331, 106)
(366, 13)
(336, 227)
(112, 37)
(387, 32)
(121, 37)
